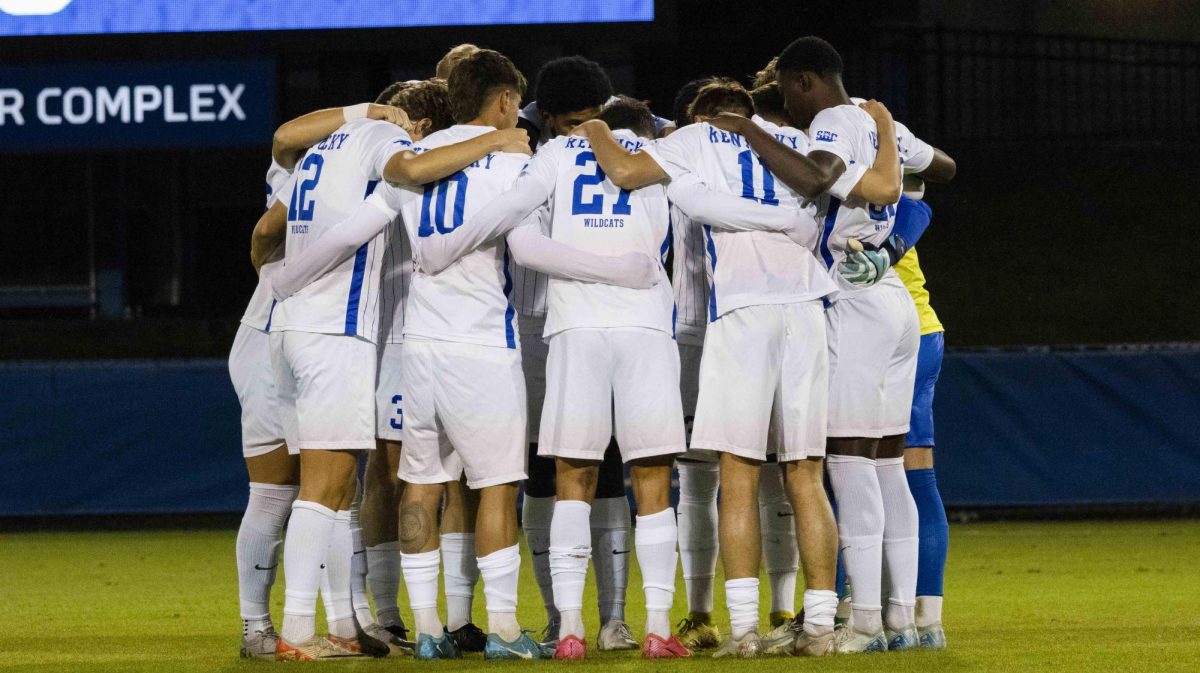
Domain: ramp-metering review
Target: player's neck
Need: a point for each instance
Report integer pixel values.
(492, 119)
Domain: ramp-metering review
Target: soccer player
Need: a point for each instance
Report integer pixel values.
(274, 473)
(872, 333)
(324, 359)
(763, 377)
(568, 91)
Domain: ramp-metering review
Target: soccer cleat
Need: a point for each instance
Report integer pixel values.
(656, 648)
(523, 647)
(781, 639)
(442, 647)
(931, 638)
(371, 645)
(746, 647)
(571, 648)
(842, 617)
(260, 644)
(615, 635)
(400, 632)
(469, 638)
(349, 647)
(312, 649)
(396, 646)
(697, 632)
(905, 639)
(550, 633)
(781, 617)
(849, 641)
(808, 645)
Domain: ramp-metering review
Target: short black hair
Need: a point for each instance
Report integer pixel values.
(571, 83)
(721, 95)
(391, 90)
(625, 112)
(811, 54)
(479, 77)
(769, 100)
(683, 100)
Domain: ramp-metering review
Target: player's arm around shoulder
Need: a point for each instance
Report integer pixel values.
(625, 170)
(406, 167)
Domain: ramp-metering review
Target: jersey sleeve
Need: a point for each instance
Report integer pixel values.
(915, 154)
(380, 142)
(674, 153)
(833, 131)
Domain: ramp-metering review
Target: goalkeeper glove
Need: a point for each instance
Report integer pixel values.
(866, 266)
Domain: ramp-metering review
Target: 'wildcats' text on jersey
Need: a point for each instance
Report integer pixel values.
(744, 268)
(850, 133)
(330, 182)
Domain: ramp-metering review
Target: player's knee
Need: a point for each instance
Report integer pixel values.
(861, 447)
(576, 481)
(891, 446)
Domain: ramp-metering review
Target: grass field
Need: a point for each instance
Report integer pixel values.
(1061, 597)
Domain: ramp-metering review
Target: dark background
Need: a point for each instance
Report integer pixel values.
(1074, 124)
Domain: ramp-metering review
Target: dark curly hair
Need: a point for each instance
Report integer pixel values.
(683, 100)
(571, 83)
(625, 112)
(811, 54)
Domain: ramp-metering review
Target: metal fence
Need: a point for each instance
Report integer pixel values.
(976, 85)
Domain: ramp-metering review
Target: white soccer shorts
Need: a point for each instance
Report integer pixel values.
(764, 383)
(534, 351)
(389, 395)
(874, 337)
(254, 382)
(601, 380)
(464, 411)
(326, 386)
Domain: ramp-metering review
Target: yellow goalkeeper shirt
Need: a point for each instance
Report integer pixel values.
(909, 270)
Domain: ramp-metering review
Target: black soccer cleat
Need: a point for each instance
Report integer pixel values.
(469, 638)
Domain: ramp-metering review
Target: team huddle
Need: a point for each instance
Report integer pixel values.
(483, 298)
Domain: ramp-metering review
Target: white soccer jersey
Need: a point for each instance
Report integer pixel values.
(744, 268)
(468, 302)
(689, 279)
(331, 181)
(258, 311)
(850, 133)
(590, 213)
(394, 280)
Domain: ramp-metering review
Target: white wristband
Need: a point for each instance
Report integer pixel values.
(352, 112)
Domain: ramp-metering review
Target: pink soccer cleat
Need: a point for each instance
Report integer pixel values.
(571, 648)
(654, 647)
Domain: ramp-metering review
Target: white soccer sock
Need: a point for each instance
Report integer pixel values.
(383, 574)
(535, 521)
(860, 527)
(819, 610)
(610, 524)
(741, 595)
(570, 549)
(421, 580)
(777, 523)
(459, 572)
(358, 570)
(500, 571)
(339, 608)
(901, 542)
(929, 611)
(657, 536)
(698, 542)
(304, 552)
(258, 542)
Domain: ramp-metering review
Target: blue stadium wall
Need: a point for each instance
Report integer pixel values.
(1013, 429)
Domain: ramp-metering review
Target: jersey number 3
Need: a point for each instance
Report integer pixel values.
(595, 205)
(433, 211)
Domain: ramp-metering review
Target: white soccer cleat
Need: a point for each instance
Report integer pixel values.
(748, 646)
(614, 636)
(904, 639)
(808, 645)
(849, 641)
(931, 638)
(781, 639)
(260, 644)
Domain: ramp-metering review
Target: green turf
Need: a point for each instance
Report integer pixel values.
(1090, 597)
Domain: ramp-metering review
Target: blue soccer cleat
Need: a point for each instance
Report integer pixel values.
(521, 648)
(905, 639)
(442, 647)
(931, 638)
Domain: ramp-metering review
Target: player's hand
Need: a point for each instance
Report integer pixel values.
(514, 140)
(877, 110)
(863, 267)
(727, 121)
(397, 116)
(588, 127)
(638, 270)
